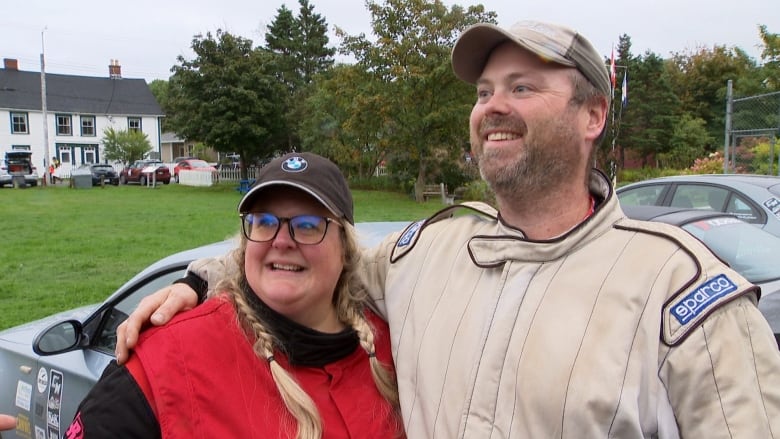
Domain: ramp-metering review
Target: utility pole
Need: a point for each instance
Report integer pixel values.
(46, 175)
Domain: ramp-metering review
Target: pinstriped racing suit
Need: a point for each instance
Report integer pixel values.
(616, 329)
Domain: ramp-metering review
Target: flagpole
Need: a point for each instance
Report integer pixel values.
(612, 78)
(44, 112)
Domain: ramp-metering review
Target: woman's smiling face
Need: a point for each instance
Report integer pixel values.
(296, 280)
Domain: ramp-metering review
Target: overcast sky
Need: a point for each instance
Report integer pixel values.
(146, 36)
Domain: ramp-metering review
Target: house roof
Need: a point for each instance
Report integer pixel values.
(169, 137)
(21, 90)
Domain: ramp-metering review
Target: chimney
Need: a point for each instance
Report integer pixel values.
(114, 69)
(10, 64)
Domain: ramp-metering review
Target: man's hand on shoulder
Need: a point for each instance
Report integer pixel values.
(157, 308)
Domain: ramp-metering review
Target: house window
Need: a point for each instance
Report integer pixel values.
(64, 153)
(133, 124)
(64, 127)
(19, 123)
(90, 154)
(20, 147)
(88, 126)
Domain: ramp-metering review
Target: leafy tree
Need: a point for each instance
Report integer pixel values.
(700, 78)
(770, 55)
(346, 121)
(408, 63)
(688, 141)
(228, 97)
(125, 146)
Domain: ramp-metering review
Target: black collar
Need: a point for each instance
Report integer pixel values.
(303, 346)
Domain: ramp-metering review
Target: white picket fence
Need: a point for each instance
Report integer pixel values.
(192, 178)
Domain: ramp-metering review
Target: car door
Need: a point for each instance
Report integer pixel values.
(49, 387)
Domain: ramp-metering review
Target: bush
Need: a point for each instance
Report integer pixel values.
(478, 190)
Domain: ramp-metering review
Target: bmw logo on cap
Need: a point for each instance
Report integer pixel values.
(294, 164)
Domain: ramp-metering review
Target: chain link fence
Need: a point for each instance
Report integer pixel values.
(752, 129)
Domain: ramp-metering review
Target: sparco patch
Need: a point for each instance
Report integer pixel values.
(702, 297)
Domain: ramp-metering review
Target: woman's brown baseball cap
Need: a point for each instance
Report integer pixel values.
(309, 172)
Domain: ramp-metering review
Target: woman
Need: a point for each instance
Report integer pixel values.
(287, 349)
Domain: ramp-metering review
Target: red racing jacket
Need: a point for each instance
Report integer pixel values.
(198, 377)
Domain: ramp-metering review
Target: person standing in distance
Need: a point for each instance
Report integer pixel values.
(556, 316)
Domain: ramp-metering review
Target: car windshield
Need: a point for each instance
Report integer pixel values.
(749, 250)
(198, 164)
(102, 167)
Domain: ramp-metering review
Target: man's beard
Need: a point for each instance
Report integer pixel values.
(550, 156)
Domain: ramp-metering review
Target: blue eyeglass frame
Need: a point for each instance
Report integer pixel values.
(289, 220)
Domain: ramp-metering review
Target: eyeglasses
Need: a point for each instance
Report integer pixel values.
(304, 229)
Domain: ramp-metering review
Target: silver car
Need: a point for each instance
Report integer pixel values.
(750, 251)
(48, 366)
(753, 198)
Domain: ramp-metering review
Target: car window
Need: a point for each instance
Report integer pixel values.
(105, 340)
(648, 195)
(691, 196)
(742, 209)
(747, 249)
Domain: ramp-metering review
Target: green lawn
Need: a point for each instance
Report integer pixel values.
(63, 247)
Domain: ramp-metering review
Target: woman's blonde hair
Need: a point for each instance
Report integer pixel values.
(349, 299)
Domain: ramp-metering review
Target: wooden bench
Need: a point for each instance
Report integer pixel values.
(435, 190)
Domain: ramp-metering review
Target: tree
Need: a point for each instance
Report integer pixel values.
(228, 97)
(301, 44)
(125, 146)
(159, 88)
(770, 55)
(408, 65)
(346, 121)
(647, 123)
(699, 79)
(688, 141)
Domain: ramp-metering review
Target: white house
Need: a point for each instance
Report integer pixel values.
(78, 109)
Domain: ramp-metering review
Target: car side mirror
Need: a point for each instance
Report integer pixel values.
(58, 338)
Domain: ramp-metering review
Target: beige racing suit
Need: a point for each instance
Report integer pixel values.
(617, 329)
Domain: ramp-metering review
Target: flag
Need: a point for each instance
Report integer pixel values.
(612, 73)
(624, 98)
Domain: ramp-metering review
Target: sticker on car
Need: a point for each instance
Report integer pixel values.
(23, 395)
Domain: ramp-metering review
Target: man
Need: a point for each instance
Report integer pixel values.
(556, 316)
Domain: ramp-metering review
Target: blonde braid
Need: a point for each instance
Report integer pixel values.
(383, 377)
(298, 402)
(350, 301)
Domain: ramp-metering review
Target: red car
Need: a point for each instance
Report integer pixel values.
(135, 173)
(194, 165)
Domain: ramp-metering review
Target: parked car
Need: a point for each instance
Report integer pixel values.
(178, 159)
(102, 174)
(751, 251)
(135, 173)
(194, 165)
(48, 366)
(753, 198)
(17, 170)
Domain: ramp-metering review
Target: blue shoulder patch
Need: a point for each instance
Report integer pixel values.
(698, 300)
(408, 235)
